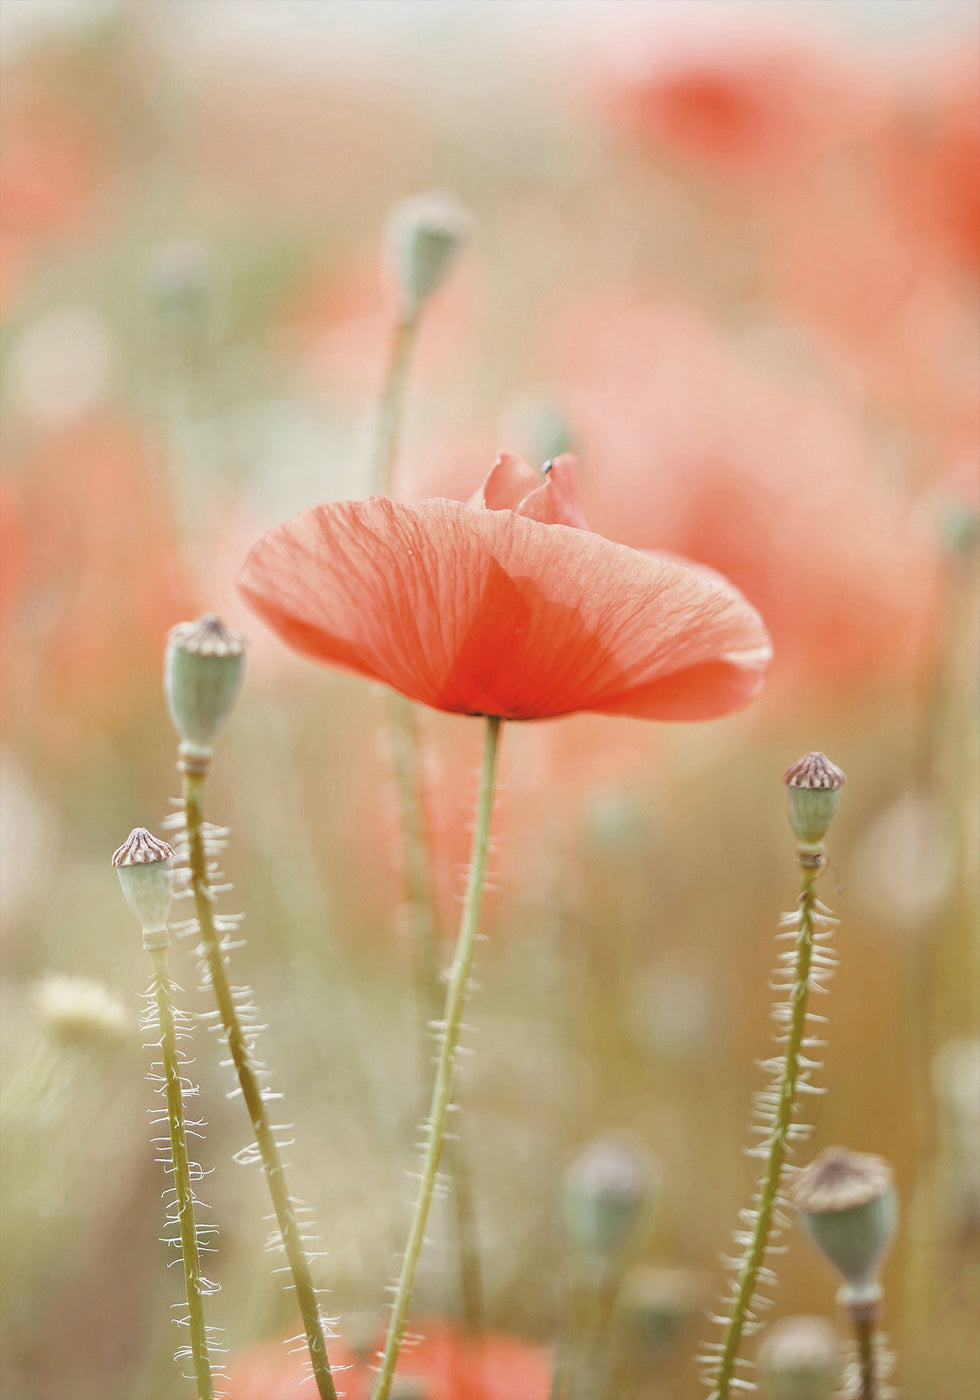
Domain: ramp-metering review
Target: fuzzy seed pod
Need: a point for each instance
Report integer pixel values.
(813, 787)
(79, 1012)
(847, 1205)
(608, 1190)
(203, 672)
(800, 1359)
(145, 867)
(654, 1304)
(423, 236)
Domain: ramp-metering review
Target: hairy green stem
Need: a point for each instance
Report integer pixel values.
(443, 1086)
(392, 401)
(190, 1254)
(401, 715)
(272, 1166)
(724, 1370)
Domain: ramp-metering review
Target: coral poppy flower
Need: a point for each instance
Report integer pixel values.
(452, 1365)
(509, 609)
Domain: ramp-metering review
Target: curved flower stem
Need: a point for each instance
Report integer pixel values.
(289, 1226)
(190, 1254)
(443, 1086)
(392, 401)
(723, 1372)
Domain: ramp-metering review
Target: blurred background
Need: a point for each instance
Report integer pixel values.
(727, 253)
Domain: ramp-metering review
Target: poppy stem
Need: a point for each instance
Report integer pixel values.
(442, 1088)
(182, 1208)
(283, 1203)
(776, 1107)
(392, 402)
(404, 740)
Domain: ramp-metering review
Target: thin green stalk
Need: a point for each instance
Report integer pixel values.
(190, 1254)
(404, 739)
(392, 401)
(864, 1336)
(443, 1086)
(779, 1134)
(286, 1218)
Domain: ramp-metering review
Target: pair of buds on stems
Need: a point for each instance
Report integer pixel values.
(203, 673)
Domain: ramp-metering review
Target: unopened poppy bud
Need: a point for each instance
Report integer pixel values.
(79, 1012)
(800, 1359)
(813, 787)
(847, 1205)
(654, 1303)
(146, 872)
(423, 236)
(608, 1190)
(203, 673)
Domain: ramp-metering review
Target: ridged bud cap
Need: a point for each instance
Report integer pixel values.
(608, 1190)
(813, 787)
(145, 867)
(203, 672)
(847, 1205)
(799, 1359)
(422, 239)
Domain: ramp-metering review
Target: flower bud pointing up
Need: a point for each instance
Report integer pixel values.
(800, 1359)
(203, 673)
(608, 1191)
(423, 236)
(813, 787)
(145, 867)
(847, 1205)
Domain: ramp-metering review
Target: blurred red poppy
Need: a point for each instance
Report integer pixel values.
(494, 611)
(452, 1363)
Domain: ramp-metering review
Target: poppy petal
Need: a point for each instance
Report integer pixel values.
(488, 612)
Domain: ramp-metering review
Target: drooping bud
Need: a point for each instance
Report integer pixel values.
(79, 1012)
(203, 672)
(145, 867)
(608, 1190)
(654, 1304)
(422, 238)
(847, 1205)
(813, 787)
(800, 1359)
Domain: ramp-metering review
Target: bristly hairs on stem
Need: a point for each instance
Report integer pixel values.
(145, 868)
(813, 789)
(203, 674)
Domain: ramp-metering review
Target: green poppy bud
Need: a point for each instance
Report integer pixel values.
(654, 1305)
(145, 867)
(800, 1359)
(423, 236)
(608, 1190)
(203, 672)
(813, 787)
(847, 1205)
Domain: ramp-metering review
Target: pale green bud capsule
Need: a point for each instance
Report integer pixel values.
(203, 672)
(800, 1359)
(813, 787)
(847, 1205)
(422, 239)
(655, 1303)
(608, 1190)
(146, 872)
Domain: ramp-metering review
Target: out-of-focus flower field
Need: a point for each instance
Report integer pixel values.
(729, 256)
